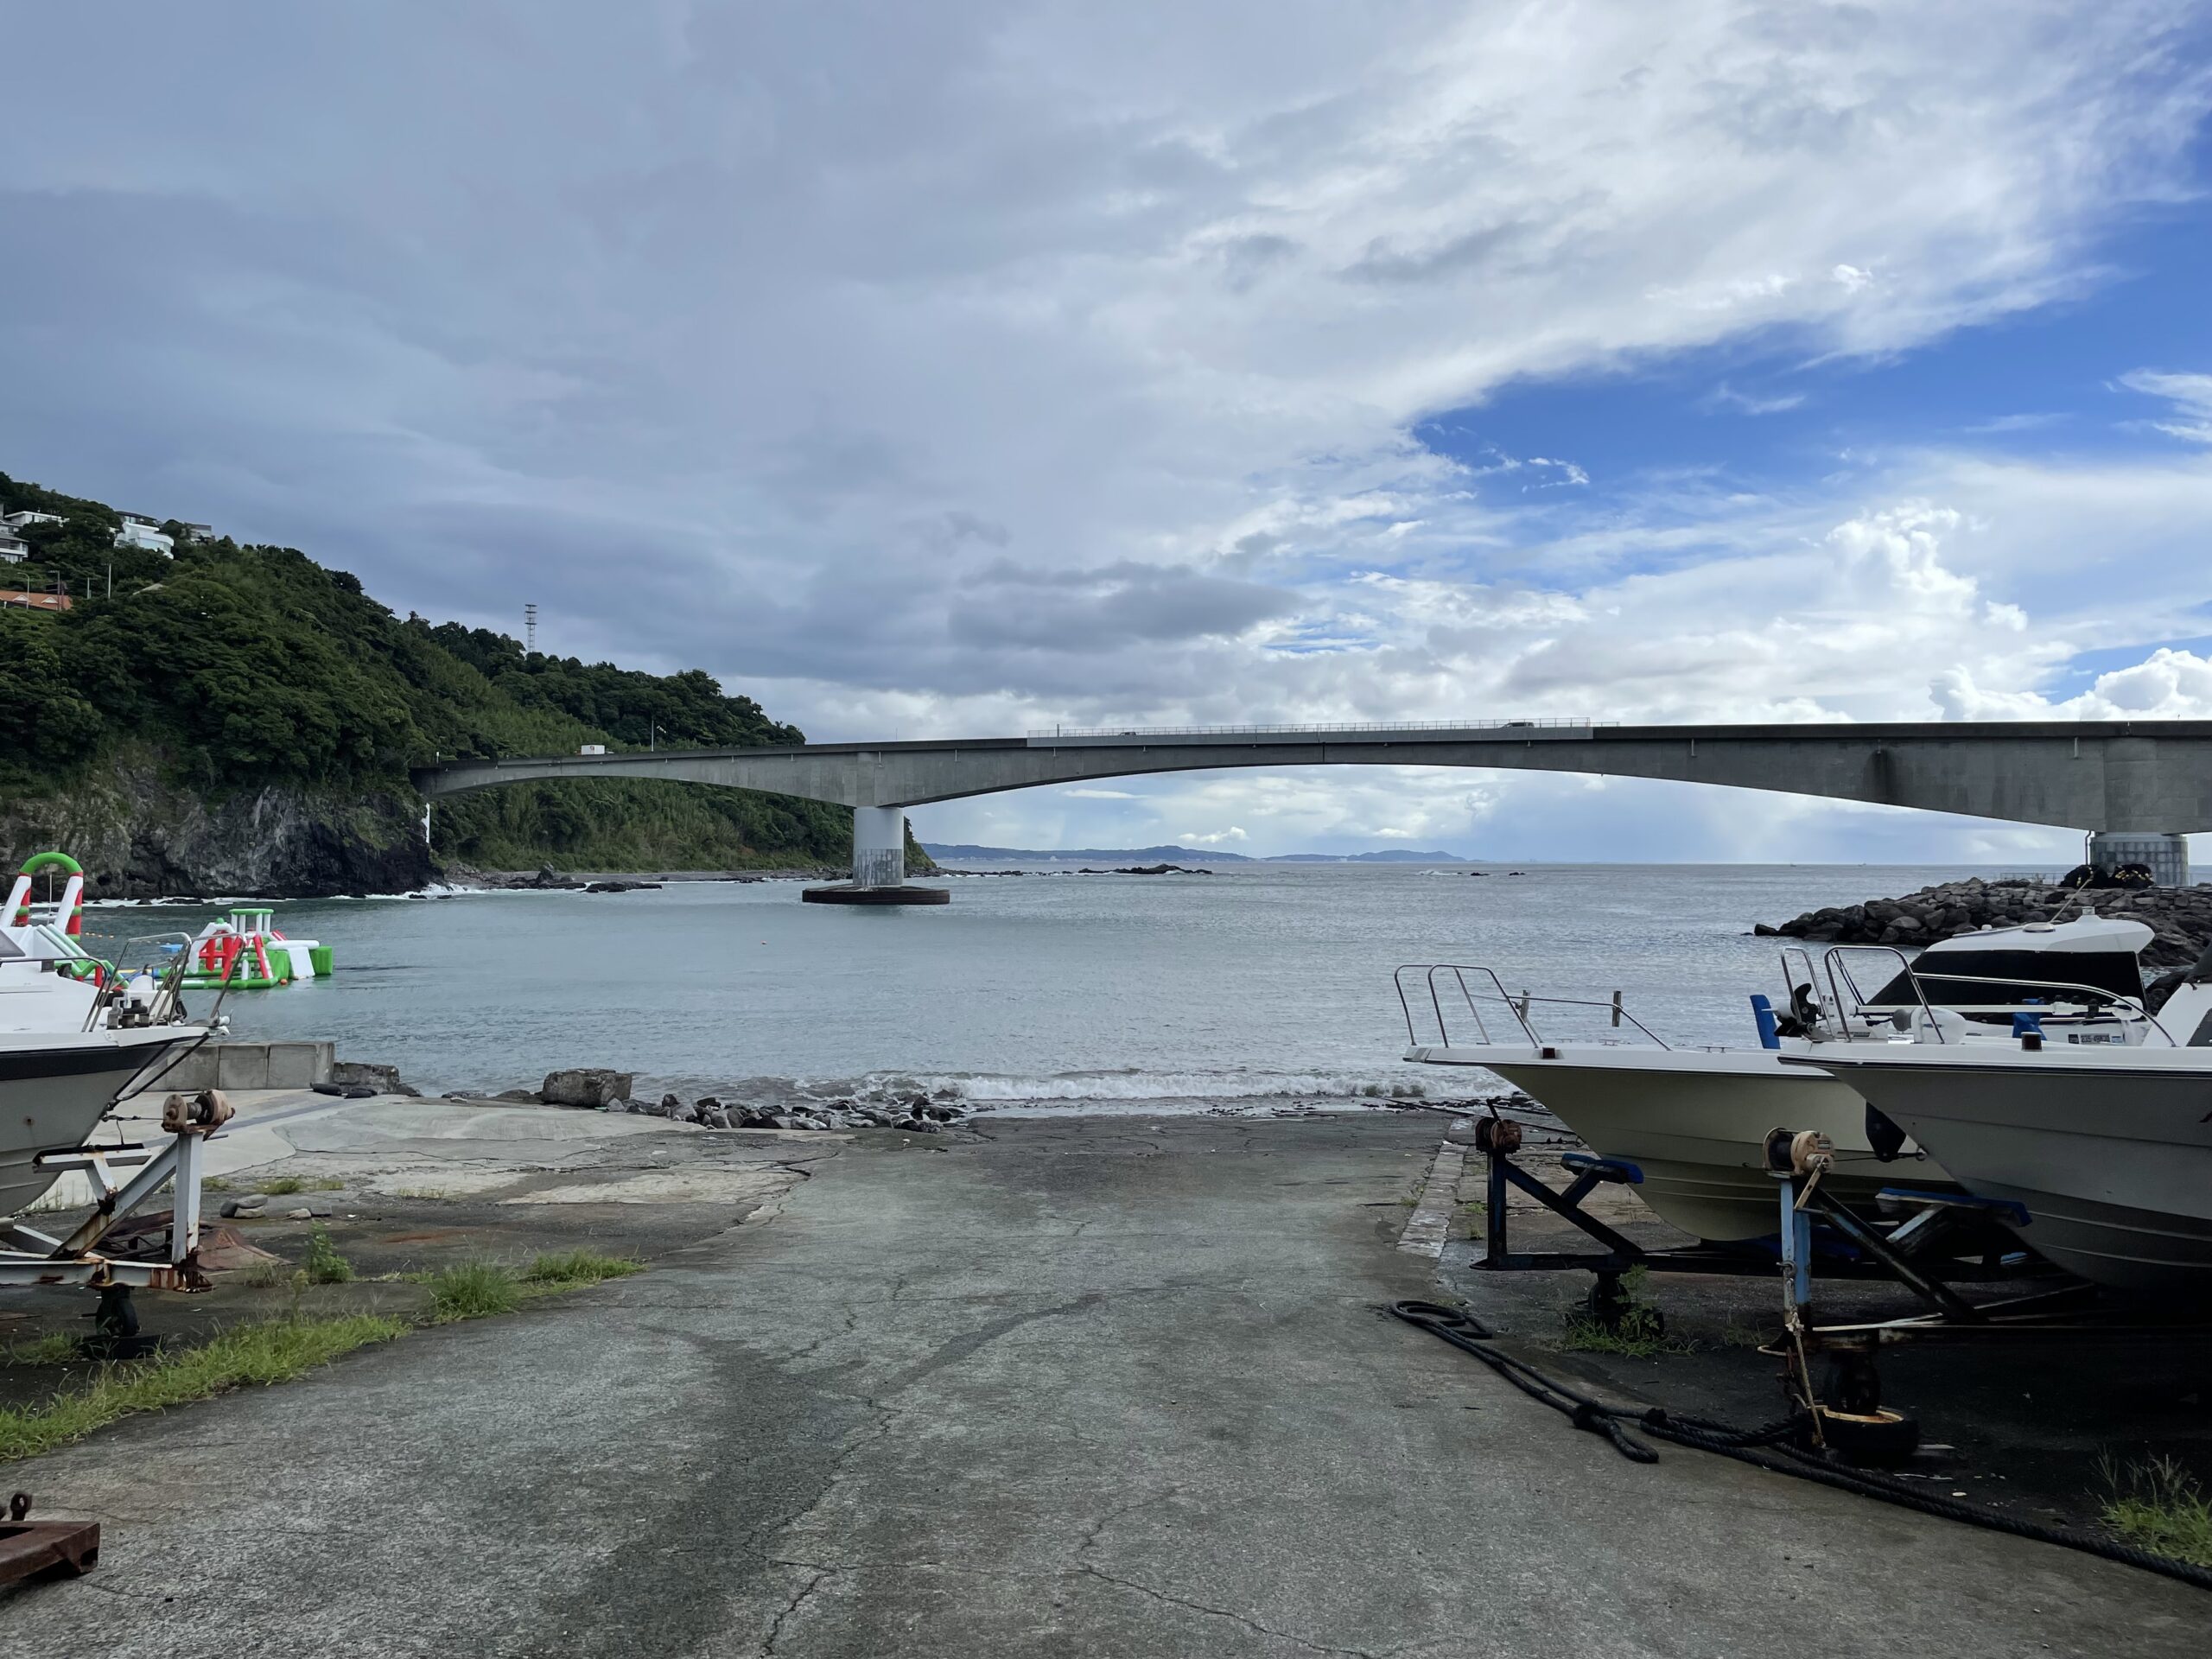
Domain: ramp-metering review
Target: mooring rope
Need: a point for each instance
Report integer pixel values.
(1772, 1447)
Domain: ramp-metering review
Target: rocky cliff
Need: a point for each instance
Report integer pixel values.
(139, 836)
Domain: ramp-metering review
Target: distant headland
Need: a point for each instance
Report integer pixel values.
(961, 852)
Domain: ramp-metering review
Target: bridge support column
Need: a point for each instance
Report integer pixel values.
(879, 865)
(2167, 856)
(878, 847)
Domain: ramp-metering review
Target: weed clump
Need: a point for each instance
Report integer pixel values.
(564, 1269)
(2159, 1506)
(1635, 1327)
(58, 1348)
(324, 1265)
(472, 1290)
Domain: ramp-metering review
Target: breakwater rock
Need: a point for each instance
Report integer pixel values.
(2180, 918)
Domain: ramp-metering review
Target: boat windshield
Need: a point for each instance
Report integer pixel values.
(1982, 979)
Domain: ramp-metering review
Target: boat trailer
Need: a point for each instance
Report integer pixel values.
(28, 1257)
(1847, 1247)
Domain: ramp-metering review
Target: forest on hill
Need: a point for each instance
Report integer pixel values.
(229, 673)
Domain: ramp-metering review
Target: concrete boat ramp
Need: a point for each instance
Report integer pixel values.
(1109, 1387)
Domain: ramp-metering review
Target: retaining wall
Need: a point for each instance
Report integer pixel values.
(250, 1065)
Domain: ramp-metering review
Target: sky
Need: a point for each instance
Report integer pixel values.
(968, 369)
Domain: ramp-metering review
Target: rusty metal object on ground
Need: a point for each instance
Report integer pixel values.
(28, 1548)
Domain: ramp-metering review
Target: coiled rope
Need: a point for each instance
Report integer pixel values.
(1772, 1447)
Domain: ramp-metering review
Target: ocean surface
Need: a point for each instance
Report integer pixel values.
(1260, 982)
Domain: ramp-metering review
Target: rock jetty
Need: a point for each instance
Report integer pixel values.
(600, 1089)
(2180, 918)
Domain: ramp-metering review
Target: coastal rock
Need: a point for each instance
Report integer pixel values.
(384, 1079)
(247, 1208)
(622, 887)
(2180, 918)
(585, 1085)
(521, 1097)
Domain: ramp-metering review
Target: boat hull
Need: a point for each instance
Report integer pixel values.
(2112, 1163)
(1695, 1122)
(54, 1089)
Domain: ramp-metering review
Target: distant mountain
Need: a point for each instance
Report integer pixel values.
(962, 852)
(1395, 855)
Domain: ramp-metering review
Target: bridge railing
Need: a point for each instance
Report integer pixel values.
(1549, 723)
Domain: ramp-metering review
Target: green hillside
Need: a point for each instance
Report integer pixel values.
(237, 667)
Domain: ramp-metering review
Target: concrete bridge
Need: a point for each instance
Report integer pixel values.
(2139, 785)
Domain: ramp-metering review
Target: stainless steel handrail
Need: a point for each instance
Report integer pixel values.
(1517, 1003)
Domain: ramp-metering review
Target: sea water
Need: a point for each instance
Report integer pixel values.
(1257, 981)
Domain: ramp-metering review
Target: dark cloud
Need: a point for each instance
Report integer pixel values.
(1105, 610)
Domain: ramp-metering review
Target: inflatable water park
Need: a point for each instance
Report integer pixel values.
(247, 951)
(244, 951)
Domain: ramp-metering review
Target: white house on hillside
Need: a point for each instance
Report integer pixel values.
(12, 548)
(139, 531)
(24, 518)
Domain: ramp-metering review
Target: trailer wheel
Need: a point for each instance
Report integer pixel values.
(116, 1315)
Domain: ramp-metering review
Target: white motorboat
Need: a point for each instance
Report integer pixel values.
(2107, 1150)
(75, 1034)
(1692, 1120)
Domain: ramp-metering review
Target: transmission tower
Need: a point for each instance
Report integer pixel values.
(529, 625)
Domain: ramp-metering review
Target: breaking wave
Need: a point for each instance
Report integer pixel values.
(1128, 1089)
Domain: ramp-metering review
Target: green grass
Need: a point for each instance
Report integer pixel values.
(275, 1350)
(569, 1268)
(282, 1188)
(1640, 1332)
(59, 1349)
(274, 1273)
(213, 1184)
(2159, 1506)
(324, 1265)
(247, 1356)
(472, 1290)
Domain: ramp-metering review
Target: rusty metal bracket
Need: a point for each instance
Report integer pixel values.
(30, 1547)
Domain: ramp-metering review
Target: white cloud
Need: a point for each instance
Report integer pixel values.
(2169, 684)
(1037, 367)
(2189, 394)
(1100, 795)
(1725, 396)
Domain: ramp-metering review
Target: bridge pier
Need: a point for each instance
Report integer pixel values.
(2167, 856)
(879, 865)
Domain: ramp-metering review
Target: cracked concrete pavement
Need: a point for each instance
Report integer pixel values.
(1075, 1387)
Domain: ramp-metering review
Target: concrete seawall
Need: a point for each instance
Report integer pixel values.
(251, 1066)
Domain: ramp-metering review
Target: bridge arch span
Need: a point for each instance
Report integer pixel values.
(2137, 777)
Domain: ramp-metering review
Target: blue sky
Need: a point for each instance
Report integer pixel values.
(969, 369)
